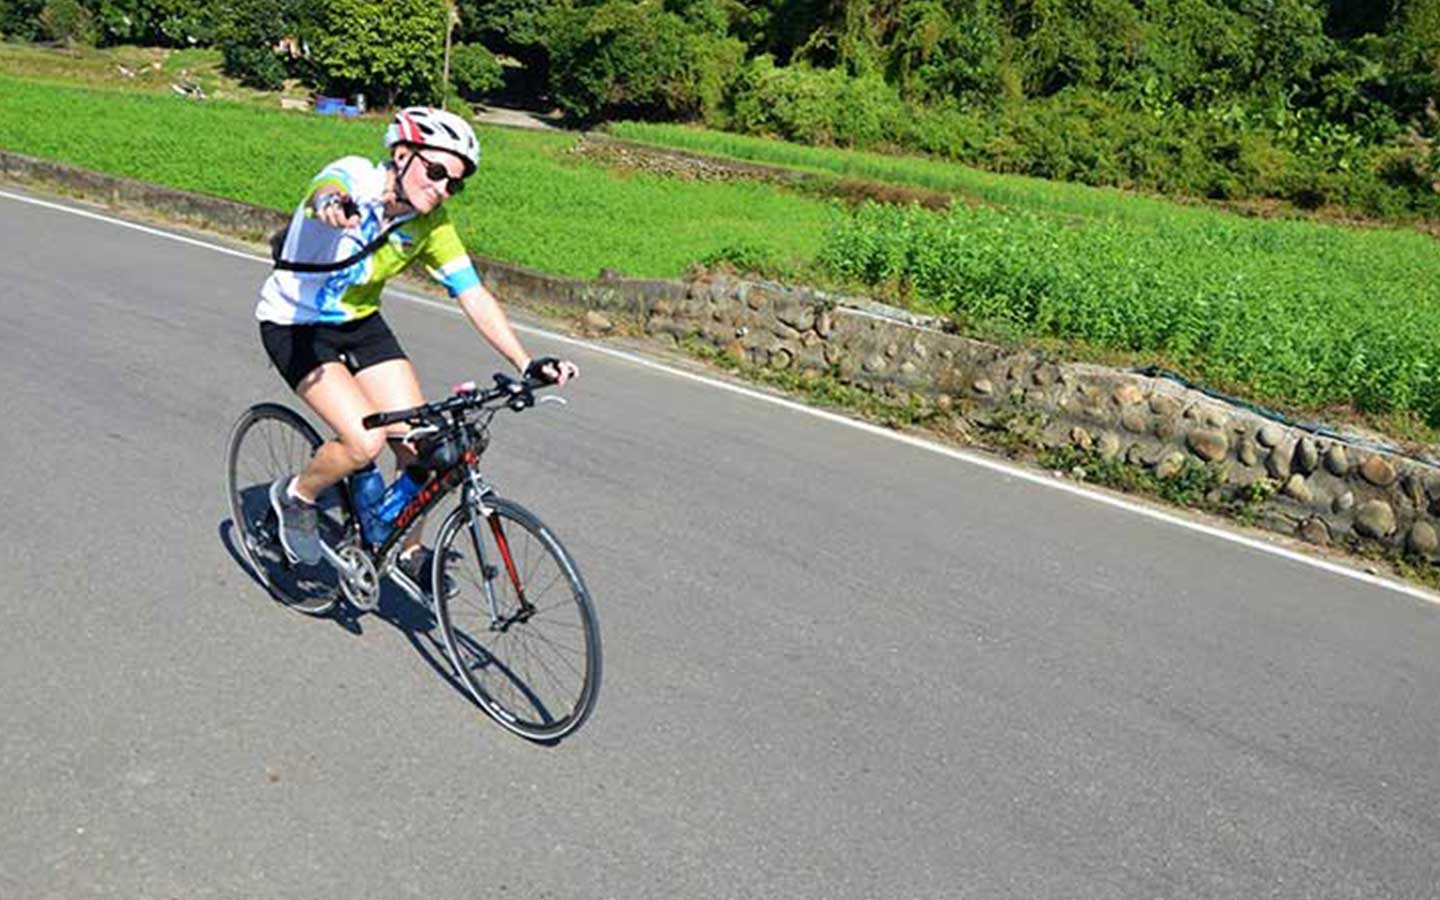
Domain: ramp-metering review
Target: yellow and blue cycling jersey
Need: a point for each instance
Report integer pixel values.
(298, 298)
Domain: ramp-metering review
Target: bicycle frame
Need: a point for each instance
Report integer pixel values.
(464, 474)
(436, 489)
(380, 562)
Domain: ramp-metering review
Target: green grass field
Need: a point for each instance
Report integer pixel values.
(531, 203)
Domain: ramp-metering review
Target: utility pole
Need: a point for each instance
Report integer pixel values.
(452, 18)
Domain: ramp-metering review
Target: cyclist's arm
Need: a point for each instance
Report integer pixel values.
(448, 263)
(488, 317)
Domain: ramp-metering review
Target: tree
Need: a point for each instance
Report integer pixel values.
(504, 24)
(387, 48)
(20, 19)
(474, 71)
(68, 21)
(635, 58)
(247, 37)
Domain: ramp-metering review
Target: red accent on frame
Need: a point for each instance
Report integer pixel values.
(504, 546)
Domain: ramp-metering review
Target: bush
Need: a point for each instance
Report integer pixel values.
(257, 67)
(628, 58)
(474, 71)
(68, 21)
(816, 106)
(20, 19)
(950, 132)
(247, 37)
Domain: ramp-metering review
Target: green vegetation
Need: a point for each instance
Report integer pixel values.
(474, 71)
(128, 69)
(966, 183)
(1194, 484)
(532, 204)
(1298, 314)
(246, 38)
(1288, 312)
(391, 50)
(1324, 104)
(622, 56)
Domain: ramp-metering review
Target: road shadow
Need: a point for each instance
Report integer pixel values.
(415, 621)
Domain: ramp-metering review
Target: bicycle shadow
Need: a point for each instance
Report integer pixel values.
(415, 621)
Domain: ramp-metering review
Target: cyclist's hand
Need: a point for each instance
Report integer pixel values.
(551, 370)
(337, 209)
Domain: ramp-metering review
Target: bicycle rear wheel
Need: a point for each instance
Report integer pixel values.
(270, 442)
(519, 626)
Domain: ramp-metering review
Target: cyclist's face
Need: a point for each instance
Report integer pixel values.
(426, 193)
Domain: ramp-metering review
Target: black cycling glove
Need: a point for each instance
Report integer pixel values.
(535, 371)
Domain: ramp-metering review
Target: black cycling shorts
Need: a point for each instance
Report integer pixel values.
(298, 350)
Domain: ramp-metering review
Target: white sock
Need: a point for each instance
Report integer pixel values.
(290, 492)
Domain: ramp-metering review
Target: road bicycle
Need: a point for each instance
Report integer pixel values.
(516, 618)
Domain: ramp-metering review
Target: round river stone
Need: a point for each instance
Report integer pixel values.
(1208, 445)
(1378, 471)
(1375, 519)
(1422, 538)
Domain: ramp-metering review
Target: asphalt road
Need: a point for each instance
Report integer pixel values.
(837, 666)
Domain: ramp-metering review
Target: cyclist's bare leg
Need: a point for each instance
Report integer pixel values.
(392, 385)
(337, 397)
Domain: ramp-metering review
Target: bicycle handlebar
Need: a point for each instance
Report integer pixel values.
(517, 394)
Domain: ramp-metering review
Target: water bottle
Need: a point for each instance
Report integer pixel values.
(400, 494)
(367, 486)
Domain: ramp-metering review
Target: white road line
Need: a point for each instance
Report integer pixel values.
(994, 465)
(132, 226)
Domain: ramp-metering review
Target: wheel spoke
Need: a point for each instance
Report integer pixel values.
(268, 443)
(538, 675)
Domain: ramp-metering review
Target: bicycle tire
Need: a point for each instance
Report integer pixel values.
(538, 678)
(268, 442)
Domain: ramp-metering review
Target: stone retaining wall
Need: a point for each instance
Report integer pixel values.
(1324, 489)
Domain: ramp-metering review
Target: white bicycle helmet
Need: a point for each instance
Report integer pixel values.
(426, 126)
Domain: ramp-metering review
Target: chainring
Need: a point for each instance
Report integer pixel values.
(361, 586)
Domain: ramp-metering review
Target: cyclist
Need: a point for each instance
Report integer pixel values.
(323, 329)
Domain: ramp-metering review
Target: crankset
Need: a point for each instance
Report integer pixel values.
(359, 581)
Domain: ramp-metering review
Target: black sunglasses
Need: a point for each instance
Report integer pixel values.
(436, 172)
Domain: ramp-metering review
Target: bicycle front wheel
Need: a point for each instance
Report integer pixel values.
(518, 624)
(270, 442)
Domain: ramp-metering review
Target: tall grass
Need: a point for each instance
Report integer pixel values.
(1298, 315)
(948, 177)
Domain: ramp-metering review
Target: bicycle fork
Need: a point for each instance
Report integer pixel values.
(476, 491)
